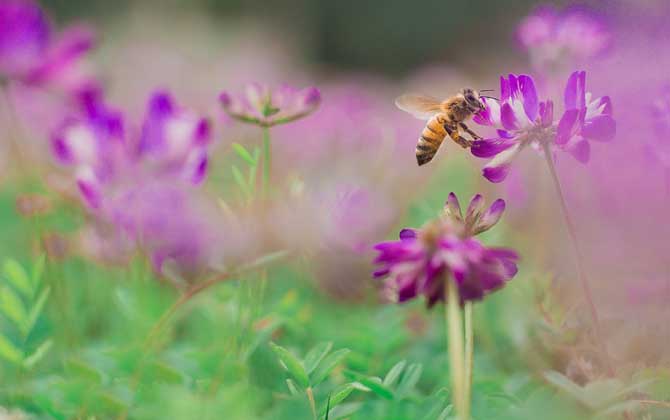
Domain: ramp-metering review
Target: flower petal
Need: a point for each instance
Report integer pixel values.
(579, 149)
(498, 168)
(508, 118)
(453, 207)
(600, 128)
(407, 233)
(487, 148)
(474, 209)
(491, 216)
(546, 113)
(574, 96)
(567, 126)
(529, 93)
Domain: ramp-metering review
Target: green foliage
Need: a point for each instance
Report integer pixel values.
(22, 302)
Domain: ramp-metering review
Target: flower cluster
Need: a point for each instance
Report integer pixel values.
(30, 53)
(521, 119)
(445, 250)
(266, 107)
(137, 180)
(552, 37)
(172, 143)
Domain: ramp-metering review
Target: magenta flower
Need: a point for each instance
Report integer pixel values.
(266, 107)
(444, 250)
(30, 53)
(552, 37)
(172, 144)
(522, 120)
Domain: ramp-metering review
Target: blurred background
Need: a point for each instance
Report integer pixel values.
(345, 178)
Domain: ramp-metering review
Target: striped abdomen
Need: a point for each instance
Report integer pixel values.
(432, 136)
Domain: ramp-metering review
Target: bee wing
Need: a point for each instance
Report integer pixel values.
(421, 106)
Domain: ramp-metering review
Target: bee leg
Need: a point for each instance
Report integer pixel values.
(456, 137)
(470, 132)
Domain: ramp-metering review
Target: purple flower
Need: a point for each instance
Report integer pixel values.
(30, 53)
(551, 37)
(266, 107)
(172, 144)
(584, 118)
(445, 250)
(522, 120)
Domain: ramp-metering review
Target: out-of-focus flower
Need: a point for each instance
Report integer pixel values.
(266, 107)
(444, 250)
(173, 143)
(658, 146)
(30, 53)
(522, 120)
(552, 37)
(477, 220)
(138, 180)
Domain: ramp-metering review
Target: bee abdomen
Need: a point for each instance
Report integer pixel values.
(431, 138)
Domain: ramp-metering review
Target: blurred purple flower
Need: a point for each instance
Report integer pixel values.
(266, 107)
(31, 54)
(172, 144)
(522, 120)
(552, 37)
(445, 250)
(658, 146)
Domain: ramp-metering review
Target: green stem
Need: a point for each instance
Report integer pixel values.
(267, 161)
(469, 353)
(455, 334)
(312, 403)
(579, 258)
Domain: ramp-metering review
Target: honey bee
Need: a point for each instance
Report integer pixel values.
(444, 118)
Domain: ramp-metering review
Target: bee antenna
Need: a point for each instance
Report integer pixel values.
(487, 90)
(490, 97)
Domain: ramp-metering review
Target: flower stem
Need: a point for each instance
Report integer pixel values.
(455, 343)
(267, 161)
(469, 352)
(579, 258)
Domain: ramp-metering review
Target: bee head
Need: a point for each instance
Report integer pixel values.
(473, 100)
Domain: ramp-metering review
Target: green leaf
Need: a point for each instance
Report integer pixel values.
(328, 365)
(12, 307)
(38, 354)
(393, 374)
(373, 384)
(315, 355)
(292, 388)
(36, 310)
(344, 410)
(410, 379)
(18, 277)
(84, 370)
(337, 397)
(9, 351)
(291, 364)
(444, 415)
(239, 180)
(244, 154)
